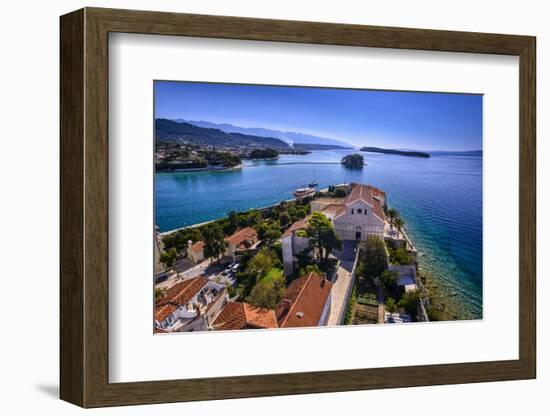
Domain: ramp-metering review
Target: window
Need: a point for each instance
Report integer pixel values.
(352, 211)
(365, 212)
(359, 211)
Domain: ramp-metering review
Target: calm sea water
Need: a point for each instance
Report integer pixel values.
(440, 199)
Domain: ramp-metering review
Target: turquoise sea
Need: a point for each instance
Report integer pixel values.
(440, 199)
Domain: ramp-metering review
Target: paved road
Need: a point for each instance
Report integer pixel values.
(342, 283)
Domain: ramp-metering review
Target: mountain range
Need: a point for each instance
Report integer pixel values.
(286, 136)
(170, 130)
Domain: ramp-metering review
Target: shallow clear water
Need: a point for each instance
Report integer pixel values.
(440, 199)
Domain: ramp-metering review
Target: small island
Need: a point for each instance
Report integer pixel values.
(394, 152)
(353, 161)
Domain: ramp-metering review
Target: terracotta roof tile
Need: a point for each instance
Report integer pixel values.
(198, 246)
(303, 302)
(298, 225)
(245, 234)
(367, 193)
(231, 317)
(259, 317)
(237, 315)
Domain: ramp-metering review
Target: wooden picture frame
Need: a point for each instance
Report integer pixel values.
(84, 207)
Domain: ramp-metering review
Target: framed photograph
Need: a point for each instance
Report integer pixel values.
(260, 207)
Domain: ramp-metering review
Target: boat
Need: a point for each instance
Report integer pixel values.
(302, 192)
(313, 183)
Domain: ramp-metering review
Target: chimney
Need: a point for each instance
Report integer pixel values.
(189, 244)
(323, 280)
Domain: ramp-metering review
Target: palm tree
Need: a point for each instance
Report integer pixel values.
(393, 214)
(399, 223)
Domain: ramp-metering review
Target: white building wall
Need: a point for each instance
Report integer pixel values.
(326, 311)
(292, 245)
(288, 255)
(352, 221)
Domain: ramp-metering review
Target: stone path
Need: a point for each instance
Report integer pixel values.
(339, 292)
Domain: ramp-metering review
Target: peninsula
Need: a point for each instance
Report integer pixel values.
(394, 152)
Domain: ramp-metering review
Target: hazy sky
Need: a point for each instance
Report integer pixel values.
(402, 120)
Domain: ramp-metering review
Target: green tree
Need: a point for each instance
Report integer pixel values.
(180, 238)
(284, 219)
(250, 218)
(373, 256)
(214, 241)
(400, 256)
(388, 281)
(409, 302)
(322, 235)
(262, 263)
(373, 260)
(310, 268)
(340, 193)
(399, 223)
(391, 306)
(269, 231)
(268, 291)
(393, 214)
(232, 223)
(169, 257)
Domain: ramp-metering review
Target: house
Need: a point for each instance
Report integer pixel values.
(195, 252)
(239, 315)
(306, 302)
(190, 305)
(242, 240)
(358, 215)
(293, 242)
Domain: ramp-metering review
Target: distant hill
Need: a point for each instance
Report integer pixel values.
(287, 136)
(314, 146)
(170, 130)
(394, 152)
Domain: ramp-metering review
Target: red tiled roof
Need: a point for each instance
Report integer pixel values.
(237, 315)
(259, 317)
(177, 295)
(366, 194)
(164, 310)
(298, 225)
(303, 302)
(245, 234)
(334, 209)
(198, 246)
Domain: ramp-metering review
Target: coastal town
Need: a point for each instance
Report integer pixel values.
(334, 256)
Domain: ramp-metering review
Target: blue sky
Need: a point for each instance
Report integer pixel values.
(391, 119)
